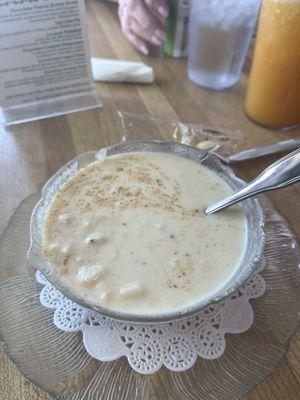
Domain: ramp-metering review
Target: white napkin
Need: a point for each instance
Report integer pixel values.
(121, 71)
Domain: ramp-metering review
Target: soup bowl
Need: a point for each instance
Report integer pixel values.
(253, 212)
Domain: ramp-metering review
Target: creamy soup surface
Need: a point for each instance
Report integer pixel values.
(129, 233)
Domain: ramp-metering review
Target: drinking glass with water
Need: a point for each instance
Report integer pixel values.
(219, 37)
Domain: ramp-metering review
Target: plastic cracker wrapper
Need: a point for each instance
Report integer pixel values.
(150, 127)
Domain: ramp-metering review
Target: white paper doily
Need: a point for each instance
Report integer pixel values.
(175, 345)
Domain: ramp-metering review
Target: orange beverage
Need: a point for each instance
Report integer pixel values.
(273, 97)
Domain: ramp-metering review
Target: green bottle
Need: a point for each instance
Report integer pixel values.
(177, 23)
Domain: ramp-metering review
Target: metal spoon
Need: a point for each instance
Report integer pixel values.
(283, 172)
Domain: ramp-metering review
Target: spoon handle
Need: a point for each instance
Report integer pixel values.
(283, 172)
(287, 145)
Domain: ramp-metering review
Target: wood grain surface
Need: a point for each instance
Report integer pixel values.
(31, 152)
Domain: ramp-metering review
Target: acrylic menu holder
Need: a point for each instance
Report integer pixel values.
(45, 62)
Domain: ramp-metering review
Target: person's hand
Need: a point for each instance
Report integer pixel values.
(142, 22)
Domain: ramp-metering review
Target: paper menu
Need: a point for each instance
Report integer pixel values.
(44, 59)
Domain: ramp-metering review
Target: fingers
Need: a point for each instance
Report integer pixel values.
(149, 28)
(137, 42)
(139, 23)
(126, 9)
(159, 6)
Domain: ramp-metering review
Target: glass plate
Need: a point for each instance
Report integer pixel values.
(58, 363)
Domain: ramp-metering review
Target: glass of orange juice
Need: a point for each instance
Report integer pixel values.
(273, 96)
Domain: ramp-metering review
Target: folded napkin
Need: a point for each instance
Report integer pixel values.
(121, 71)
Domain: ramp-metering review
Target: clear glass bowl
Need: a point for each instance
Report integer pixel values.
(252, 209)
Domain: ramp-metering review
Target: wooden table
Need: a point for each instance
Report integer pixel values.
(31, 152)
